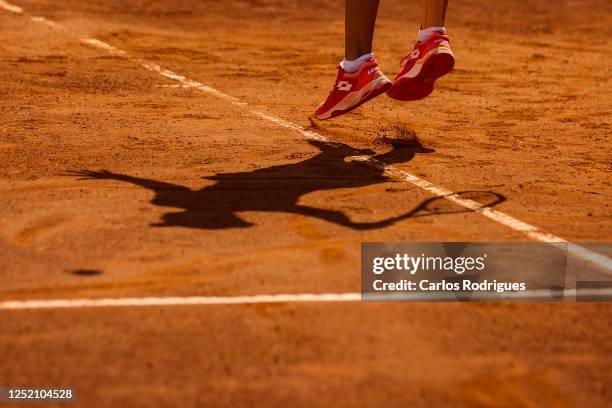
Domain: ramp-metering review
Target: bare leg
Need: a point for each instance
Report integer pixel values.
(359, 20)
(359, 79)
(433, 13)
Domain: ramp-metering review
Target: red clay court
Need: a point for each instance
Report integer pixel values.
(177, 230)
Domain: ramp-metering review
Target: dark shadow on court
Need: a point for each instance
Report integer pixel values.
(279, 188)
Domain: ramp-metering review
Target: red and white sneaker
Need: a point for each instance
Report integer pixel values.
(428, 61)
(353, 89)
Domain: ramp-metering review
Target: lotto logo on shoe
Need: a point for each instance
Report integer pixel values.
(344, 86)
(415, 54)
(372, 70)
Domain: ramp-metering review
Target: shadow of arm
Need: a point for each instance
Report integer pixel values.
(338, 217)
(107, 175)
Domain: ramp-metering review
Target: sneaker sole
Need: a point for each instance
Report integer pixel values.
(378, 89)
(412, 88)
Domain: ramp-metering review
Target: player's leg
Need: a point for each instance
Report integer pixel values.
(359, 22)
(433, 13)
(430, 58)
(359, 78)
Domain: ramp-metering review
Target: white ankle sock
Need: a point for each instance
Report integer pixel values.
(354, 65)
(428, 32)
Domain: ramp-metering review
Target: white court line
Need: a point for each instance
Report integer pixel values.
(47, 22)
(10, 7)
(529, 230)
(175, 301)
(296, 298)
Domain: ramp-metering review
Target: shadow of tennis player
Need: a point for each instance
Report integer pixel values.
(279, 188)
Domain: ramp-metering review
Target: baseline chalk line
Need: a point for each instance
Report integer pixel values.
(528, 295)
(176, 301)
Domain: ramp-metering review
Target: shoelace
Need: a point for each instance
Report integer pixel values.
(338, 76)
(335, 83)
(405, 60)
(408, 56)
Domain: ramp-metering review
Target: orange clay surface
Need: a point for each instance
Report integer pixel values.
(114, 182)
